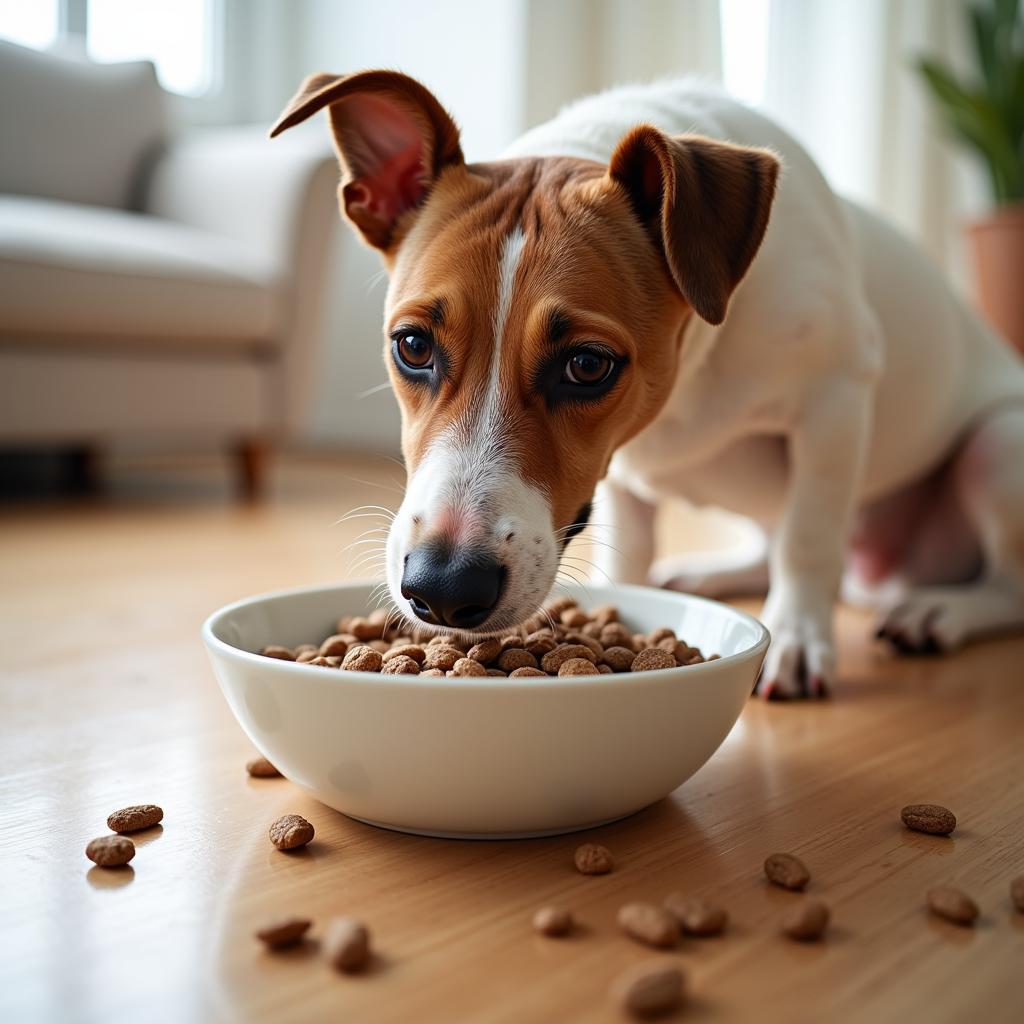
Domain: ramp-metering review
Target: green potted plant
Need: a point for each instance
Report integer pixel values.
(987, 115)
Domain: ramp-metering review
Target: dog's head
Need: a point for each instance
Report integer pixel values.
(533, 324)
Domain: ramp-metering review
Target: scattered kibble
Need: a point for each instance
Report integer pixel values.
(697, 917)
(807, 922)
(934, 819)
(347, 945)
(649, 924)
(553, 921)
(649, 989)
(281, 934)
(593, 859)
(290, 832)
(110, 851)
(261, 768)
(787, 871)
(135, 818)
(952, 904)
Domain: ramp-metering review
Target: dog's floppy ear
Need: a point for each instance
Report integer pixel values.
(393, 139)
(705, 202)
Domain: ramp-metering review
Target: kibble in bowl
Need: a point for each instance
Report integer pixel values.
(509, 751)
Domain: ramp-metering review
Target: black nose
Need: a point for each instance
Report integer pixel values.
(452, 588)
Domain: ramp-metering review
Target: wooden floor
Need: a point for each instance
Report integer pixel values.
(107, 699)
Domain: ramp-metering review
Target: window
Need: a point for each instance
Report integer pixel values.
(181, 37)
(176, 35)
(31, 24)
(745, 48)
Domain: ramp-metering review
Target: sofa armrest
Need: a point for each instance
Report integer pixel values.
(236, 183)
(277, 198)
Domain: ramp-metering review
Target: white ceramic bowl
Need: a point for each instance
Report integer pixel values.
(484, 757)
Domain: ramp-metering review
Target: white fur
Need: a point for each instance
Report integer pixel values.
(845, 371)
(470, 468)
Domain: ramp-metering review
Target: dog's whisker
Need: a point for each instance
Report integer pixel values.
(578, 582)
(375, 483)
(375, 279)
(373, 529)
(374, 390)
(358, 513)
(547, 615)
(373, 558)
(377, 542)
(379, 509)
(587, 561)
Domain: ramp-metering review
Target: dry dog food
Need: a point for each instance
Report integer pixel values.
(649, 989)
(649, 924)
(593, 859)
(696, 917)
(952, 904)
(787, 871)
(553, 921)
(135, 818)
(290, 832)
(807, 923)
(560, 640)
(261, 768)
(1017, 893)
(347, 944)
(931, 818)
(288, 931)
(110, 851)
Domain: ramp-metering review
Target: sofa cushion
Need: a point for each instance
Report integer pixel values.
(91, 273)
(75, 130)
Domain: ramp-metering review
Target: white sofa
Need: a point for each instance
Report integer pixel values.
(152, 285)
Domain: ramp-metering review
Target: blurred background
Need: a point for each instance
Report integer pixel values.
(172, 284)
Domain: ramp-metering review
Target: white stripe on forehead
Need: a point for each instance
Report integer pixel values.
(468, 464)
(508, 265)
(511, 250)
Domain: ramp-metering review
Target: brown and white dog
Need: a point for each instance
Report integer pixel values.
(556, 320)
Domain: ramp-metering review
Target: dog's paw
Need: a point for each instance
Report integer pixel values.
(933, 620)
(801, 661)
(916, 626)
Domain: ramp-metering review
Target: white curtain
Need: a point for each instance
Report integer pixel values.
(838, 73)
(841, 77)
(577, 47)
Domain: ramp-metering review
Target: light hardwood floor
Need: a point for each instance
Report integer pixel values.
(107, 699)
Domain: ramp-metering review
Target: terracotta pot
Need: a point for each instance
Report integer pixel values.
(998, 247)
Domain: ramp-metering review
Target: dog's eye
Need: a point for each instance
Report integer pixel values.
(588, 367)
(415, 351)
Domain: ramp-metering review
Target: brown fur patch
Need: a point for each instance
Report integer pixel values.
(585, 257)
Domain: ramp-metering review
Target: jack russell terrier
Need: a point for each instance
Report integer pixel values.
(587, 314)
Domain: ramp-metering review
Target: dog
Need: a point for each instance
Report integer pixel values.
(656, 294)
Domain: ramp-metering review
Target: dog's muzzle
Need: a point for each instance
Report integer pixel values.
(450, 587)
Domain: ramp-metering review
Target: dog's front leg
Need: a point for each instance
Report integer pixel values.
(623, 534)
(826, 452)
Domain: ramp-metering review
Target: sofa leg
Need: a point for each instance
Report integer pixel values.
(82, 469)
(251, 468)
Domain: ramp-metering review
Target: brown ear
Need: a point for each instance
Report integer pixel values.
(393, 139)
(705, 202)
